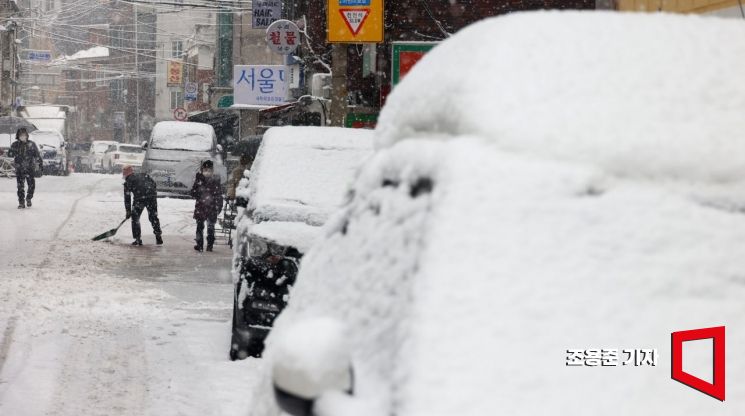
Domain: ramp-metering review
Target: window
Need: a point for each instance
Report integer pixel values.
(101, 79)
(177, 99)
(117, 90)
(177, 49)
(117, 36)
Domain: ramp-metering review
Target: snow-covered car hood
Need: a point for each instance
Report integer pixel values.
(287, 234)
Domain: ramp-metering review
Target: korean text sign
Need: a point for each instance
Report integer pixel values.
(175, 73)
(260, 84)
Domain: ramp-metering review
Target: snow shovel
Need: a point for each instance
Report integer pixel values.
(109, 233)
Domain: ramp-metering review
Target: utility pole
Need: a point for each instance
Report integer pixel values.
(137, 79)
(338, 108)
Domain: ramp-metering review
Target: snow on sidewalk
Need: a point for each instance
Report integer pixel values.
(85, 336)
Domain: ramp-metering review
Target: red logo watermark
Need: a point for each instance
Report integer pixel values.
(716, 389)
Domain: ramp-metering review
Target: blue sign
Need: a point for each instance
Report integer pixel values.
(354, 2)
(191, 91)
(260, 84)
(39, 56)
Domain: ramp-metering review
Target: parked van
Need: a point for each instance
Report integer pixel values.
(175, 151)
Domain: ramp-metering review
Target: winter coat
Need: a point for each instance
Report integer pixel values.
(26, 156)
(141, 185)
(208, 193)
(235, 179)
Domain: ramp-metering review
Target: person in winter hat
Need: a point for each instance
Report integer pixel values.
(27, 160)
(207, 190)
(145, 192)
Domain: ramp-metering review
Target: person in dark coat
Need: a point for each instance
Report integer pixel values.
(207, 190)
(145, 196)
(27, 160)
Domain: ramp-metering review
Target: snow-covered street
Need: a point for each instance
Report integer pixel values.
(103, 328)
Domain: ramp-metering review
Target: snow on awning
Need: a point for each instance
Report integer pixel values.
(95, 52)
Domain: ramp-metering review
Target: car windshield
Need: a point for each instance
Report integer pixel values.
(130, 149)
(100, 147)
(46, 138)
(302, 172)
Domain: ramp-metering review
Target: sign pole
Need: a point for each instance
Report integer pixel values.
(137, 80)
(338, 108)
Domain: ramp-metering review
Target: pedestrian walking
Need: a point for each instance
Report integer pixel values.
(27, 161)
(207, 191)
(145, 192)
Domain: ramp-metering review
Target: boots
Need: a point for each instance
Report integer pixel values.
(28, 203)
(137, 242)
(198, 248)
(21, 205)
(209, 247)
(158, 240)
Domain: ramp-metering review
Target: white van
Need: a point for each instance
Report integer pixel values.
(175, 151)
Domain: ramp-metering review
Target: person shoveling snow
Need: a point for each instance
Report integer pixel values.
(145, 196)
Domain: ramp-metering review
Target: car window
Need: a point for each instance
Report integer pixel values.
(131, 149)
(100, 147)
(46, 138)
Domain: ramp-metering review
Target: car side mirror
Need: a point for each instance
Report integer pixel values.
(310, 358)
(144, 144)
(219, 148)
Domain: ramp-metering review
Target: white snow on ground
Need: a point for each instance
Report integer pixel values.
(88, 328)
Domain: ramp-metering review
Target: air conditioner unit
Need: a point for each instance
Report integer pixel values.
(320, 85)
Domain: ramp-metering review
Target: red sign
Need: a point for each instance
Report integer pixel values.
(180, 114)
(354, 18)
(716, 389)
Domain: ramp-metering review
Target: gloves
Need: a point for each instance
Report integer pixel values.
(129, 215)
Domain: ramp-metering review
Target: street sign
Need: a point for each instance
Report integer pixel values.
(180, 114)
(405, 56)
(191, 91)
(37, 56)
(265, 12)
(355, 21)
(175, 73)
(260, 84)
(283, 37)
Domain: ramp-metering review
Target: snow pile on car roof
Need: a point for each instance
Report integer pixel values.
(302, 174)
(637, 94)
(182, 135)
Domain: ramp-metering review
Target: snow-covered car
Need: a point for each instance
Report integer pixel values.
(94, 161)
(544, 208)
(175, 146)
(121, 154)
(53, 151)
(300, 176)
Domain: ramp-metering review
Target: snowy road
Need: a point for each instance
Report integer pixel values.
(104, 328)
